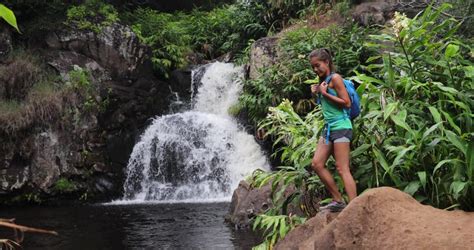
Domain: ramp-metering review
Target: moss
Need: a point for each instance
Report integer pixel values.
(64, 185)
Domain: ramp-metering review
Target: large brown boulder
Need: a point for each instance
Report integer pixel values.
(385, 218)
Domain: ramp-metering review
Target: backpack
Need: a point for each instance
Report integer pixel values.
(354, 110)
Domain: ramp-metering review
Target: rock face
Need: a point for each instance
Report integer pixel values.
(371, 13)
(92, 150)
(263, 53)
(122, 66)
(247, 202)
(379, 12)
(384, 218)
(5, 41)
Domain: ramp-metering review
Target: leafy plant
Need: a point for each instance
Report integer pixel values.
(290, 130)
(276, 226)
(91, 15)
(8, 15)
(286, 78)
(419, 103)
(174, 37)
(64, 185)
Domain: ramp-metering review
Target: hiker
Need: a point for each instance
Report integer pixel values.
(337, 132)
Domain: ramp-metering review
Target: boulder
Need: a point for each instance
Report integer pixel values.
(301, 233)
(379, 12)
(385, 218)
(248, 201)
(263, 53)
(370, 13)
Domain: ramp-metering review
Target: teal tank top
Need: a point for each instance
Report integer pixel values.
(331, 112)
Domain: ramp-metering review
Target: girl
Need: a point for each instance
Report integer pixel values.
(337, 132)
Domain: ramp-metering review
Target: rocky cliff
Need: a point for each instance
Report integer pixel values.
(77, 153)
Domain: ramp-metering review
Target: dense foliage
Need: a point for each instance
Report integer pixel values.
(415, 132)
(91, 15)
(286, 78)
(176, 38)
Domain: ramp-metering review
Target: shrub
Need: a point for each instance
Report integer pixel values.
(18, 75)
(64, 185)
(173, 37)
(91, 15)
(286, 78)
(419, 103)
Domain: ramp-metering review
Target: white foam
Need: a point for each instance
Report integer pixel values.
(195, 156)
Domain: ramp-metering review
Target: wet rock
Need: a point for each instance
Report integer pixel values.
(385, 218)
(247, 202)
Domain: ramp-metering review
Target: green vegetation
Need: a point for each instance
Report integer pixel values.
(419, 102)
(64, 185)
(175, 37)
(286, 78)
(91, 15)
(415, 132)
(29, 93)
(8, 15)
(32, 95)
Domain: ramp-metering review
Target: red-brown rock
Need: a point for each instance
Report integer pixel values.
(386, 218)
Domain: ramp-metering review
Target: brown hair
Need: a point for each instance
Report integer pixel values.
(323, 54)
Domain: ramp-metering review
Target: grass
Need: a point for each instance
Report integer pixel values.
(31, 94)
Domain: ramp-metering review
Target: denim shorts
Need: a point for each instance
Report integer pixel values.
(343, 135)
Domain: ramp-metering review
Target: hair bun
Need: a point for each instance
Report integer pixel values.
(328, 51)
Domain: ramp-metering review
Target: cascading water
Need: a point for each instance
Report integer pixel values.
(198, 155)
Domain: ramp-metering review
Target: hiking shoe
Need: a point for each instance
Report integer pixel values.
(334, 206)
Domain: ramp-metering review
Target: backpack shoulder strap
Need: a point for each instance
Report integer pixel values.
(329, 78)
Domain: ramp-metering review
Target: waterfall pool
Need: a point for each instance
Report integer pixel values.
(140, 226)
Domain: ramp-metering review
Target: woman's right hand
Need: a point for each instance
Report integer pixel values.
(314, 88)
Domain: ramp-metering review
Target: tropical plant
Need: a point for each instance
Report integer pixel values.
(415, 132)
(91, 15)
(290, 130)
(419, 103)
(286, 78)
(276, 226)
(8, 15)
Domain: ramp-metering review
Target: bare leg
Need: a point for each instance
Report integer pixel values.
(323, 151)
(341, 154)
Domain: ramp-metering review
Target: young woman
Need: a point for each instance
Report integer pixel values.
(337, 132)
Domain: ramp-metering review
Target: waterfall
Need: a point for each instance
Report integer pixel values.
(197, 155)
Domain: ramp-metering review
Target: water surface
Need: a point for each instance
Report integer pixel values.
(143, 226)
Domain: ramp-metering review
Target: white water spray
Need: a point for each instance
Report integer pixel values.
(198, 155)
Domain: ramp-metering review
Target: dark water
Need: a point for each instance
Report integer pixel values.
(152, 226)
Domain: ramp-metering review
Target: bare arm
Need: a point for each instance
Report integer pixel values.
(342, 99)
